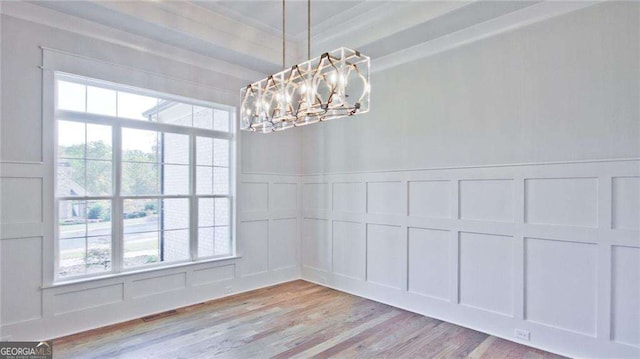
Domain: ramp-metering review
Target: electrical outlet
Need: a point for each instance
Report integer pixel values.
(522, 334)
(228, 290)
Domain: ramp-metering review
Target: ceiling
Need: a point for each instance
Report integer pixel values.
(248, 33)
(267, 14)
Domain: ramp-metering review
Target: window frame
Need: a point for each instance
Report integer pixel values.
(117, 199)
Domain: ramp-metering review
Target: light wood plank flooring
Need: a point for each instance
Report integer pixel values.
(292, 320)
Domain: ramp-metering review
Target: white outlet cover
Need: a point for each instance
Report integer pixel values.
(522, 334)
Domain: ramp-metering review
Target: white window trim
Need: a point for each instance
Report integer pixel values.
(50, 117)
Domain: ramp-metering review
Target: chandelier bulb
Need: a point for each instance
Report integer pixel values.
(315, 90)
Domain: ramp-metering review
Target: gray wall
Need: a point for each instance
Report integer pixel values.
(30, 312)
(563, 89)
(495, 185)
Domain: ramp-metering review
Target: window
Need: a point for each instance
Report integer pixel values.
(142, 179)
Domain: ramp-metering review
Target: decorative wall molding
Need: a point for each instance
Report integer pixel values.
(475, 246)
(92, 303)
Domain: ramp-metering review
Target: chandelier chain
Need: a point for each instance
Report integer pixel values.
(284, 44)
(308, 29)
(333, 85)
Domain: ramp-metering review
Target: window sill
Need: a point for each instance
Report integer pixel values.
(63, 283)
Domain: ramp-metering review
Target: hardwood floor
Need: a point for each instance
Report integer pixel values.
(291, 320)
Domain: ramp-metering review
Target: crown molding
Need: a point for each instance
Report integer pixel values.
(183, 25)
(343, 20)
(509, 22)
(189, 20)
(48, 17)
(215, 7)
(369, 24)
(327, 25)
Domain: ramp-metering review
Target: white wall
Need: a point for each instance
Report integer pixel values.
(488, 186)
(30, 312)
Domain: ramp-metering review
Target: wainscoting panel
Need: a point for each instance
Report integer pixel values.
(283, 240)
(626, 203)
(283, 196)
(385, 198)
(562, 201)
(486, 272)
(316, 244)
(82, 299)
(211, 275)
(386, 255)
(429, 269)
(487, 200)
(22, 200)
(552, 267)
(20, 279)
(317, 196)
(626, 291)
(253, 249)
(349, 249)
(158, 284)
(348, 197)
(254, 196)
(430, 199)
(552, 249)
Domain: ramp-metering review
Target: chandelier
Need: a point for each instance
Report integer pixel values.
(332, 85)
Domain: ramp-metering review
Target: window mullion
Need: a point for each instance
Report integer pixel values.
(116, 205)
(74, 113)
(193, 202)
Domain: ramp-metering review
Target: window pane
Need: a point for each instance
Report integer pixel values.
(71, 96)
(99, 142)
(141, 248)
(205, 212)
(222, 212)
(98, 254)
(139, 145)
(176, 148)
(84, 243)
(141, 215)
(222, 241)
(175, 179)
(220, 180)
(221, 152)
(205, 242)
(71, 256)
(70, 178)
(140, 178)
(176, 245)
(175, 113)
(71, 139)
(98, 178)
(136, 107)
(154, 163)
(99, 218)
(204, 180)
(203, 117)
(101, 101)
(214, 241)
(72, 220)
(175, 214)
(221, 120)
(204, 151)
